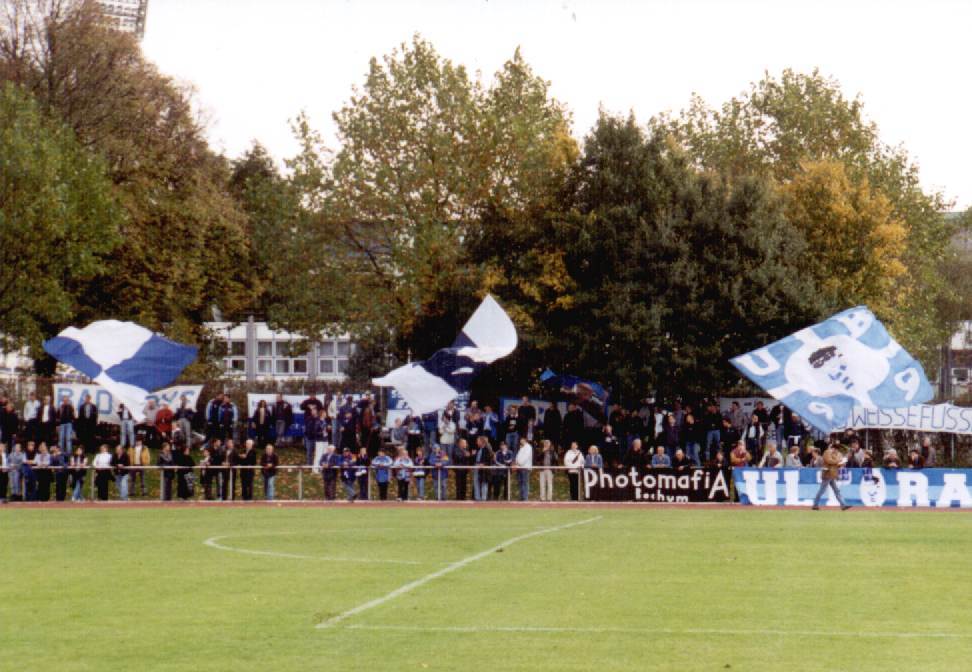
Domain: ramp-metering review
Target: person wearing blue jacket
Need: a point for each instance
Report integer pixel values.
(439, 460)
(313, 432)
(501, 470)
(349, 474)
(381, 465)
(403, 473)
(330, 464)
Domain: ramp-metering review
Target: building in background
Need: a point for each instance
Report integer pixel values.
(256, 352)
(127, 16)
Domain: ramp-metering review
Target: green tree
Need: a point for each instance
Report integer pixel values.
(58, 219)
(779, 125)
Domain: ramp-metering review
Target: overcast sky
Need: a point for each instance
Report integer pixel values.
(257, 63)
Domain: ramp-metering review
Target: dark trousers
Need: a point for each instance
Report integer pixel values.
(403, 490)
(498, 484)
(227, 485)
(32, 430)
(574, 486)
(167, 486)
(182, 485)
(4, 480)
(461, 476)
(60, 485)
(102, 479)
(246, 484)
(44, 477)
(28, 485)
(363, 491)
(330, 489)
(207, 483)
(382, 491)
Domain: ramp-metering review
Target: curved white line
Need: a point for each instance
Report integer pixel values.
(459, 564)
(212, 542)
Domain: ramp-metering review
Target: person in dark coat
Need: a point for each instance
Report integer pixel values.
(552, 422)
(363, 462)
(59, 467)
(573, 428)
(247, 475)
(230, 473)
(183, 460)
(283, 417)
(167, 462)
(86, 425)
(261, 423)
(464, 458)
(330, 466)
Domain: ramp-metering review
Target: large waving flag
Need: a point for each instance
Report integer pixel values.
(430, 385)
(590, 396)
(128, 360)
(823, 371)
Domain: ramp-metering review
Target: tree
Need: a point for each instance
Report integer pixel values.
(183, 246)
(780, 126)
(58, 219)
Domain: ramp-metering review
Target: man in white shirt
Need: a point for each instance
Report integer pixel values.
(31, 409)
(524, 464)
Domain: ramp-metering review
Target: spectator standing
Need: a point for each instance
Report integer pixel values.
(228, 417)
(552, 422)
(15, 461)
(65, 425)
(915, 460)
(712, 424)
(139, 458)
(548, 459)
(248, 463)
(464, 460)
(28, 475)
(382, 464)
(737, 417)
(439, 461)
(311, 402)
(421, 462)
(753, 436)
(349, 474)
(660, 459)
(103, 467)
(928, 453)
(206, 473)
(474, 421)
(796, 430)
(594, 460)
(184, 475)
(403, 473)
(126, 424)
(574, 461)
(671, 435)
(261, 423)
(268, 466)
(151, 432)
(78, 465)
(213, 408)
(119, 467)
(42, 465)
(87, 422)
(363, 462)
(413, 433)
(692, 437)
(313, 433)
(502, 462)
(47, 422)
(59, 467)
(573, 427)
(330, 467)
(164, 419)
(483, 461)
(524, 465)
(636, 458)
(230, 473)
(448, 428)
(610, 446)
(490, 423)
(184, 416)
(166, 463)
(283, 418)
(511, 424)
(31, 420)
(430, 425)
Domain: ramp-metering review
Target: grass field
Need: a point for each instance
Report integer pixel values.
(483, 589)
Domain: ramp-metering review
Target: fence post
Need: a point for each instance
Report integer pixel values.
(509, 479)
(161, 471)
(300, 483)
(94, 476)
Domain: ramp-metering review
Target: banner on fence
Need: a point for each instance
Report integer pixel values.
(657, 485)
(108, 406)
(904, 488)
(922, 418)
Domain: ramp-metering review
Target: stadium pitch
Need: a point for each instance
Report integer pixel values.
(501, 588)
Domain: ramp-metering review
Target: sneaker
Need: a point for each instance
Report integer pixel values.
(845, 507)
(816, 508)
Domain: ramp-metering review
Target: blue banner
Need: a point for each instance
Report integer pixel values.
(824, 371)
(904, 488)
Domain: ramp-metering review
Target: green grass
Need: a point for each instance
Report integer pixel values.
(133, 589)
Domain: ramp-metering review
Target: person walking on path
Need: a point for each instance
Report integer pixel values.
(833, 459)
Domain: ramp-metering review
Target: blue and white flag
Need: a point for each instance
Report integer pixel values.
(847, 360)
(126, 359)
(430, 385)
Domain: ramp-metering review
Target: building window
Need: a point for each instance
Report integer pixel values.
(326, 349)
(265, 348)
(300, 365)
(238, 348)
(326, 366)
(264, 366)
(342, 366)
(237, 365)
(343, 348)
(283, 366)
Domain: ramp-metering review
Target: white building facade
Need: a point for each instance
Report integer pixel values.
(127, 16)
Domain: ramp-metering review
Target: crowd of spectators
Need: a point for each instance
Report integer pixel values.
(48, 449)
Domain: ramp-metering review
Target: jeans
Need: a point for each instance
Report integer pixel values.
(692, 451)
(513, 441)
(309, 451)
(64, 437)
(546, 485)
(268, 482)
(523, 480)
(440, 486)
(15, 483)
(480, 485)
(121, 482)
(127, 439)
(281, 431)
(824, 482)
(349, 489)
(420, 487)
(430, 436)
(185, 428)
(76, 495)
(712, 436)
(450, 450)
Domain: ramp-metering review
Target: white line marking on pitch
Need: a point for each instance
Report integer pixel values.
(653, 631)
(212, 542)
(448, 569)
